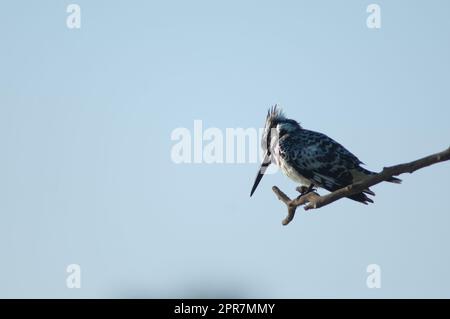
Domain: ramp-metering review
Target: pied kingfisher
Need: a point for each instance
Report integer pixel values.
(310, 158)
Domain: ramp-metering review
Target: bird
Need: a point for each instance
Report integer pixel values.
(310, 158)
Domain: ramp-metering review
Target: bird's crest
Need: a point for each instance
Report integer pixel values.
(275, 113)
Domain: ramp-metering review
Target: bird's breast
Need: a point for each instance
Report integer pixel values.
(288, 169)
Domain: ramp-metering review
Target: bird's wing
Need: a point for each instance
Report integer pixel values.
(319, 158)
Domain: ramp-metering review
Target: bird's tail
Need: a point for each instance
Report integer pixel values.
(362, 198)
(395, 180)
(367, 173)
(362, 173)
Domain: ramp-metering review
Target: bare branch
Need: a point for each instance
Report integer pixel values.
(312, 200)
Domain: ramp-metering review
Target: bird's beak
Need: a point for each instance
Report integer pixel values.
(261, 171)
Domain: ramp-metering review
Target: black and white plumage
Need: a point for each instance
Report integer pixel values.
(310, 158)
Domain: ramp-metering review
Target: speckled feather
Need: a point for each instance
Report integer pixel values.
(309, 157)
(318, 158)
(312, 157)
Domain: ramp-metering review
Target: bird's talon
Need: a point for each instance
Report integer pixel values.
(302, 190)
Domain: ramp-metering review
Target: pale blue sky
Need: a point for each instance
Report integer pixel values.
(86, 175)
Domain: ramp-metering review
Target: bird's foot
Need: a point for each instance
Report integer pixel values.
(303, 190)
(306, 191)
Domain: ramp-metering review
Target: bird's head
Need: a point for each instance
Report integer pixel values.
(275, 127)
